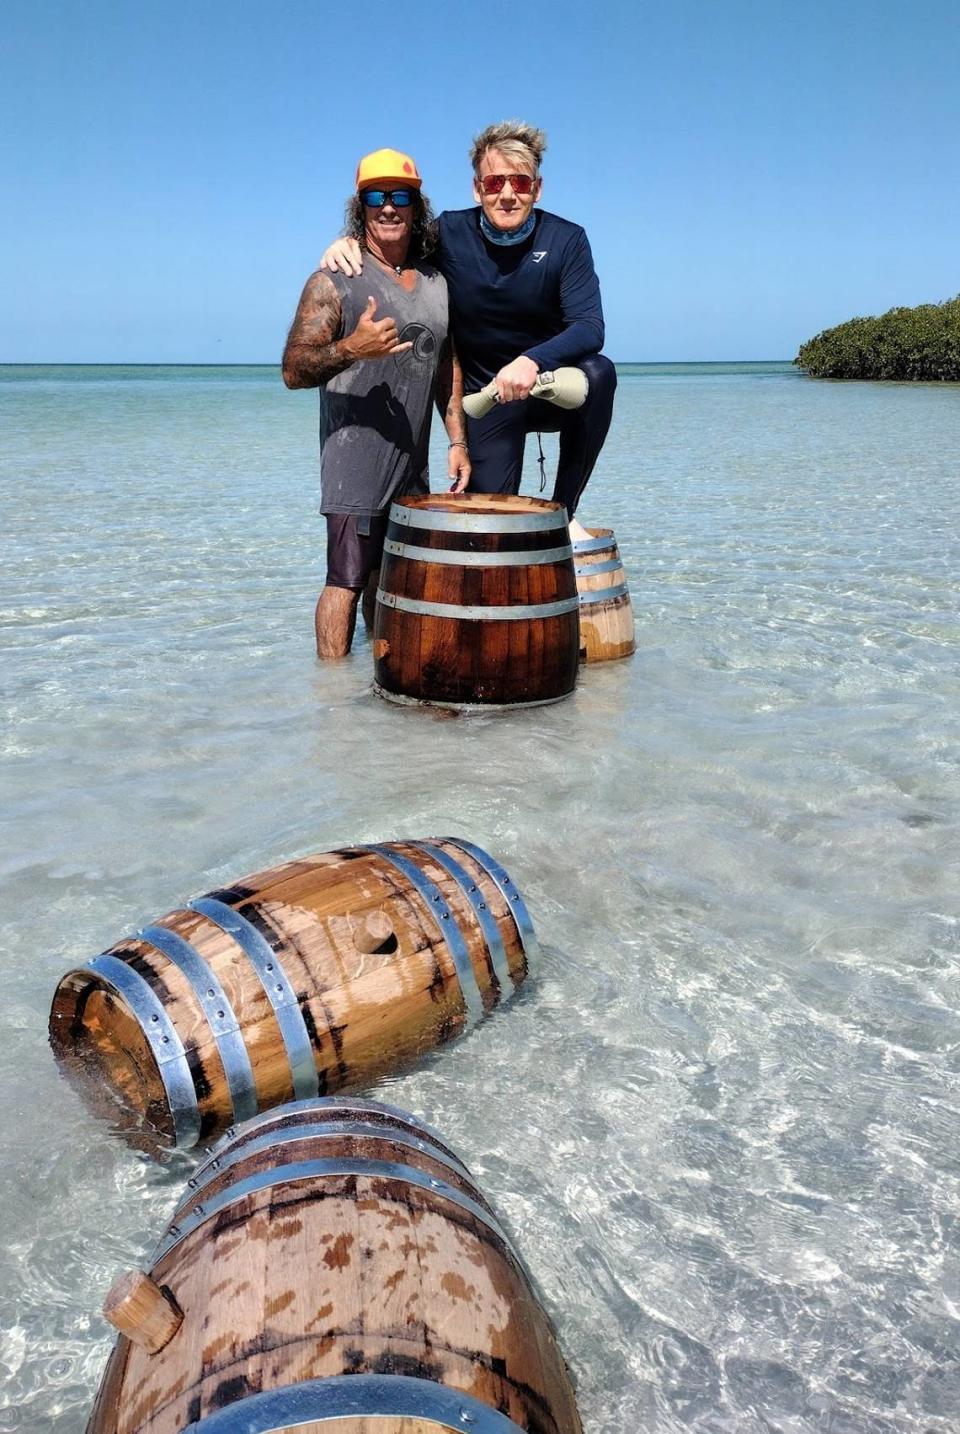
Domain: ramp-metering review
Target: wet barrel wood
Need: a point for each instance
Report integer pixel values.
(322, 974)
(338, 1268)
(477, 604)
(606, 614)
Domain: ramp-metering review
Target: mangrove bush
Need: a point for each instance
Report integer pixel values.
(920, 343)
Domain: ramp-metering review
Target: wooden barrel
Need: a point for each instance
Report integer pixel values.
(606, 615)
(333, 1261)
(477, 605)
(318, 975)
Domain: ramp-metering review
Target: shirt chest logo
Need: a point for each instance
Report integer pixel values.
(539, 254)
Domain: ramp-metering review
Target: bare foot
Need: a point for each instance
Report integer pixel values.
(578, 533)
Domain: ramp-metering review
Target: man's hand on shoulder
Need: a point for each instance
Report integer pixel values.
(343, 256)
(374, 338)
(516, 379)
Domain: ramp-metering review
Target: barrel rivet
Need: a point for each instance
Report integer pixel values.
(466, 1417)
(165, 1040)
(154, 1017)
(219, 1015)
(198, 1209)
(191, 1184)
(211, 993)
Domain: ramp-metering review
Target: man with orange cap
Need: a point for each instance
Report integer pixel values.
(378, 349)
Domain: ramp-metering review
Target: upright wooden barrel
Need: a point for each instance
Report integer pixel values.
(477, 605)
(318, 975)
(333, 1266)
(606, 614)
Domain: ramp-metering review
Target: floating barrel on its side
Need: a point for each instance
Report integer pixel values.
(477, 605)
(333, 1265)
(322, 974)
(606, 614)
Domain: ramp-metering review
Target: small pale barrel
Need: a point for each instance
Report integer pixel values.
(477, 605)
(337, 1267)
(322, 974)
(606, 614)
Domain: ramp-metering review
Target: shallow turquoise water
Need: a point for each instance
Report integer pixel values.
(722, 1124)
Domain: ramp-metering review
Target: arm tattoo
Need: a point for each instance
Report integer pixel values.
(313, 352)
(449, 392)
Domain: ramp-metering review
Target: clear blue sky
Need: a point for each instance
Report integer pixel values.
(748, 171)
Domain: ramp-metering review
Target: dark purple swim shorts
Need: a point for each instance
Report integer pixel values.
(352, 554)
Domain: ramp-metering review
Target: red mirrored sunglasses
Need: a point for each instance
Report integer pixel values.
(519, 183)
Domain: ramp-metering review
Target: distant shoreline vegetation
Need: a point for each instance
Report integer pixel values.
(921, 343)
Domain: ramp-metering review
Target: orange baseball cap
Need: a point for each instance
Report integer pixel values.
(387, 166)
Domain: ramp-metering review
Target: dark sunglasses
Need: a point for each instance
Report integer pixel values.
(519, 183)
(377, 198)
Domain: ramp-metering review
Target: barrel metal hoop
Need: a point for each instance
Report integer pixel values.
(478, 614)
(603, 594)
(320, 1170)
(266, 1119)
(349, 1396)
(446, 923)
(359, 1129)
(275, 982)
(516, 903)
(488, 923)
(220, 1015)
(588, 569)
(165, 1043)
(461, 559)
(594, 545)
(467, 522)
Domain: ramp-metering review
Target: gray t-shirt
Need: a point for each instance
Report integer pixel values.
(375, 416)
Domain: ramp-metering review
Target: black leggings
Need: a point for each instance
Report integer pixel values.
(497, 441)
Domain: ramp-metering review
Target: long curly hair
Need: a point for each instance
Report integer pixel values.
(423, 236)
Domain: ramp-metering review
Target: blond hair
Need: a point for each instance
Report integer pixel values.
(522, 143)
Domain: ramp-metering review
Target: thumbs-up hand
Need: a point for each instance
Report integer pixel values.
(373, 337)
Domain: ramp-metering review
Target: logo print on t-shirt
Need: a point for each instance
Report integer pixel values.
(424, 344)
(539, 254)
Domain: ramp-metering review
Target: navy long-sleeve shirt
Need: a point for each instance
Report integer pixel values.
(540, 298)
